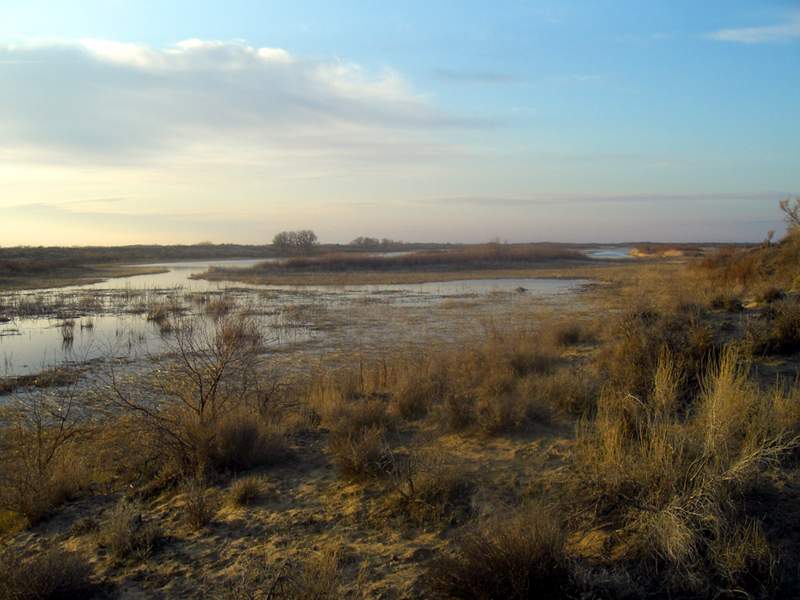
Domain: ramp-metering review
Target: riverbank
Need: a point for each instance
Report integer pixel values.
(70, 276)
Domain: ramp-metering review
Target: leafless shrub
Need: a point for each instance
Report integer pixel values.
(38, 468)
(202, 397)
(125, 533)
(200, 507)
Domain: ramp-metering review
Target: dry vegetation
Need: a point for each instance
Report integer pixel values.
(422, 265)
(648, 452)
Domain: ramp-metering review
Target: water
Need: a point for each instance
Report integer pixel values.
(110, 318)
(610, 252)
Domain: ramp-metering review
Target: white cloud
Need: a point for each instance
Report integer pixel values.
(100, 101)
(781, 32)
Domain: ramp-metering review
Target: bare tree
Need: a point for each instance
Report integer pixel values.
(791, 213)
(210, 371)
(301, 241)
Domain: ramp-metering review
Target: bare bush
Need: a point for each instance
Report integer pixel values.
(38, 467)
(125, 533)
(202, 404)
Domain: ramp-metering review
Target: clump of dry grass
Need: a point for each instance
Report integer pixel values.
(317, 575)
(199, 505)
(430, 488)
(125, 533)
(778, 329)
(570, 333)
(49, 575)
(726, 300)
(360, 454)
(245, 491)
(243, 440)
(630, 358)
(517, 557)
(219, 307)
(669, 482)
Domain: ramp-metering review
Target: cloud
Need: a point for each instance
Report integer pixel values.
(456, 76)
(107, 101)
(782, 32)
(572, 199)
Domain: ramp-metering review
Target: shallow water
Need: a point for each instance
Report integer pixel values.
(611, 252)
(110, 317)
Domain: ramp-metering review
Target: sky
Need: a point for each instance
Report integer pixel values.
(594, 120)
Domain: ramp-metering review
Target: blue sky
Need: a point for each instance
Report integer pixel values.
(459, 121)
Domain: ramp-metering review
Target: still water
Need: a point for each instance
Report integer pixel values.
(110, 318)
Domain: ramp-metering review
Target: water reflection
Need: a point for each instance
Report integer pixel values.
(120, 317)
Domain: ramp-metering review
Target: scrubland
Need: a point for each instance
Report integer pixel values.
(644, 448)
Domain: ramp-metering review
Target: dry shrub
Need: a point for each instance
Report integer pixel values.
(726, 300)
(778, 330)
(570, 333)
(770, 294)
(245, 491)
(772, 265)
(569, 392)
(199, 505)
(516, 557)
(208, 392)
(669, 483)
(125, 533)
(316, 576)
(420, 387)
(41, 462)
(243, 440)
(431, 488)
(630, 358)
(360, 454)
(50, 575)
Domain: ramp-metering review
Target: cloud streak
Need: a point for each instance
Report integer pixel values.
(101, 101)
(786, 31)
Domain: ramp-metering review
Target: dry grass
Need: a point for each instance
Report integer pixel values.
(516, 557)
(669, 482)
(432, 488)
(245, 491)
(480, 256)
(317, 575)
(777, 331)
(50, 575)
(199, 505)
(125, 534)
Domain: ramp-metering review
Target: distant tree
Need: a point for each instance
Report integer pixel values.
(301, 242)
(282, 240)
(792, 213)
(365, 242)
